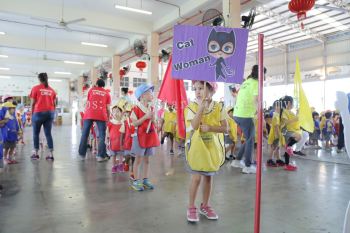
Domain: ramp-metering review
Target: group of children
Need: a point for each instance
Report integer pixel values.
(12, 123)
(326, 129)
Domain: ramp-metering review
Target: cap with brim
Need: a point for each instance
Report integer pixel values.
(128, 107)
(143, 88)
(213, 85)
(9, 105)
(120, 104)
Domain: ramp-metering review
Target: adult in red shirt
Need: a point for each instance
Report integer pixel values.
(43, 103)
(96, 110)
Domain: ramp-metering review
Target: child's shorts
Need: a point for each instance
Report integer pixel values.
(228, 139)
(10, 145)
(136, 150)
(115, 153)
(127, 152)
(275, 142)
(327, 136)
(315, 135)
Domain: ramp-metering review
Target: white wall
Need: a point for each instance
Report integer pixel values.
(21, 86)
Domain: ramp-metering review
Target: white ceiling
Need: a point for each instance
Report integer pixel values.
(27, 48)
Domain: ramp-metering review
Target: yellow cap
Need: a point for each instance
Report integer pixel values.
(128, 107)
(9, 105)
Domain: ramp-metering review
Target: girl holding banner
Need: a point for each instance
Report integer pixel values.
(205, 123)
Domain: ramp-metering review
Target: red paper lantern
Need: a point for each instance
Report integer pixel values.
(300, 7)
(130, 92)
(122, 73)
(141, 65)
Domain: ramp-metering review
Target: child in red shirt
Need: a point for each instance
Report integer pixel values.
(146, 138)
(115, 134)
(127, 141)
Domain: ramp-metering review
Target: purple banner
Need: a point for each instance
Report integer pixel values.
(214, 54)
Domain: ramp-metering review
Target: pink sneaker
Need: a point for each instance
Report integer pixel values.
(289, 150)
(120, 168)
(208, 212)
(192, 214)
(114, 169)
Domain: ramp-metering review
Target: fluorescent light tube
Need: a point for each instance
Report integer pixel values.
(94, 44)
(4, 68)
(133, 9)
(55, 80)
(65, 73)
(74, 62)
(5, 77)
(2, 33)
(3, 56)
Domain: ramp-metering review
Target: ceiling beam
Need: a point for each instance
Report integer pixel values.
(340, 3)
(283, 20)
(43, 9)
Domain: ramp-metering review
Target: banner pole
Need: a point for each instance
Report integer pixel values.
(260, 133)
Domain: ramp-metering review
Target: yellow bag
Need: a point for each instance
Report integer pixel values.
(205, 151)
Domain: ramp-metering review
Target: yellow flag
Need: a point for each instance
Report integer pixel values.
(305, 114)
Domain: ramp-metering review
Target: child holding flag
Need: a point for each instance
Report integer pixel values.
(146, 138)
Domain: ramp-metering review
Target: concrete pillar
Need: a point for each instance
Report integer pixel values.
(153, 65)
(116, 77)
(232, 15)
(94, 76)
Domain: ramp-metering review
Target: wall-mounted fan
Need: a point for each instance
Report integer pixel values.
(213, 17)
(164, 55)
(248, 20)
(139, 48)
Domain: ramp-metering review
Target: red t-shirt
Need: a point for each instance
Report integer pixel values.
(44, 98)
(115, 135)
(96, 105)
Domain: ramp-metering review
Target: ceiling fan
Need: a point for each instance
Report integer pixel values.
(61, 23)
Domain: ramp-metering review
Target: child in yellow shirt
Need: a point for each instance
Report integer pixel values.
(290, 129)
(275, 137)
(231, 137)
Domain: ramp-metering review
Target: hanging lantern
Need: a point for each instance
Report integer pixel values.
(141, 65)
(130, 92)
(300, 7)
(122, 73)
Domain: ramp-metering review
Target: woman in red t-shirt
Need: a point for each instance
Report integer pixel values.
(43, 103)
(96, 110)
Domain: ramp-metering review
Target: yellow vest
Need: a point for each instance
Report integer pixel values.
(169, 121)
(289, 115)
(274, 135)
(233, 129)
(205, 151)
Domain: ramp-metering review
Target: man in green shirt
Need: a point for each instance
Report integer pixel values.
(245, 111)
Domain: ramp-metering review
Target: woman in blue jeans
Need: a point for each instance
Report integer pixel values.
(245, 111)
(96, 110)
(43, 103)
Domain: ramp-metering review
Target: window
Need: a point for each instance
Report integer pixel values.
(138, 81)
(186, 86)
(124, 82)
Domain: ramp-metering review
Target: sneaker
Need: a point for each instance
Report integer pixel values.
(192, 214)
(81, 157)
(11, 161)
(280, 163)
(114, 169)
(34, 157)
(237, 163)
(126, 167)
(289, 150)
(132, 177)
(120, 168)
(100, 159)
(171, 152)
(290, 168)
(147, 184)
(137, 185)
(249, 170)
(50, 158)
(271, 163)
(232, 157)
(208, 212)
(299, 153)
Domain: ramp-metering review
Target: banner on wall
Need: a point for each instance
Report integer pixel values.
(214, 54)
